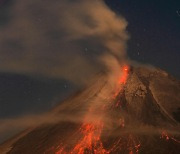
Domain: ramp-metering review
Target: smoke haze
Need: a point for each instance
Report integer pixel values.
(61, 39)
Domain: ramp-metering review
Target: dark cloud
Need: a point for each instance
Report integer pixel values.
(5, 16)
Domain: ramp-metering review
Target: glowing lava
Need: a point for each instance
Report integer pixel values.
(167, 137)
(122, 80)
(124, 76)
(90, 142)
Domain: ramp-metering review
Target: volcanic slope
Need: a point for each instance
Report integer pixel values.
(141, 116)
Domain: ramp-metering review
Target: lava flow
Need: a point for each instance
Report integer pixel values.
(126, 111)
(91, 132)
(122, 81)
(90, 142)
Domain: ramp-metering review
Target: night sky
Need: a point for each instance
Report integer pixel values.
(153, 26)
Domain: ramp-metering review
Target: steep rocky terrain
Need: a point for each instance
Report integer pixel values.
(143, 117)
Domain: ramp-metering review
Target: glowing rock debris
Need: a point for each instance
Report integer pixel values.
(90, 134)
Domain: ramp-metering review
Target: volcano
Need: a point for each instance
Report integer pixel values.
(141, 114)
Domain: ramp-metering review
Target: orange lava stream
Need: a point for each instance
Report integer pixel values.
(91, 141)
(124, 77)
(122, 80)
(91, 132)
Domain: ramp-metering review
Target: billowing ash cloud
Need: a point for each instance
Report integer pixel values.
(61, 39)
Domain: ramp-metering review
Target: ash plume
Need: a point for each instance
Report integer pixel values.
(51, 38)
(56, 38)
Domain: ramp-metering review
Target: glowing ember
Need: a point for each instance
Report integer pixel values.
(122, 80)
(124, 76)
(90, 142)
(167, 137)
(129, 144)
(89, 137)
(164, 135)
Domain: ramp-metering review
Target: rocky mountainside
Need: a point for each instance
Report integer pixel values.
(142, 116)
